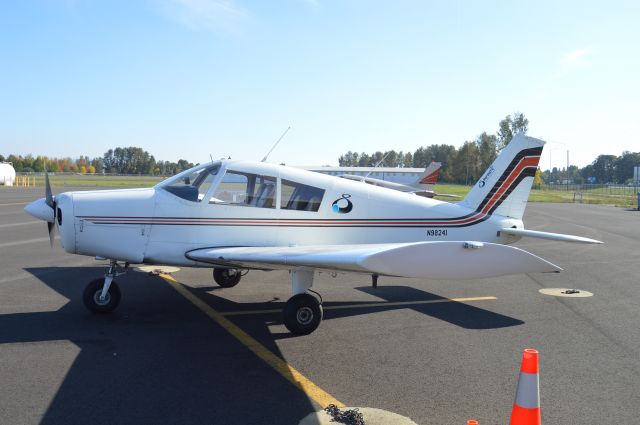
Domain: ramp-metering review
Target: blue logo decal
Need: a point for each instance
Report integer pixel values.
(483, 181)
(339, 206)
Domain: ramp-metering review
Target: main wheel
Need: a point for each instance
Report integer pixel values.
(302, 314)
(226, 278)
(91, 296)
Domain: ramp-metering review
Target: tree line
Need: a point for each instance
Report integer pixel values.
(604, 169)
(459, 165)
(463, 165)
(127, 160)
(466, 164)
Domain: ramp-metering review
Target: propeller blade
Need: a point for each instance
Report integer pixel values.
(52, 232)
(49, 196)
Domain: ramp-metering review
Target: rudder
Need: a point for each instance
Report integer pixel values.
(504, 188)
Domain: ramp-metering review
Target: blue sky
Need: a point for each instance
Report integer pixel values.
(190, 78)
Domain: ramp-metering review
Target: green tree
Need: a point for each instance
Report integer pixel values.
(364, 160)
(38, 164)
(390, 159)
(624, 166)
(445, 154)
(604, 168)
(487, 149)
(408, 160)
(466, 164)
(510, 126)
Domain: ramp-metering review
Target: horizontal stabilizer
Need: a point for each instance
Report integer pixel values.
(446, 195)
(547, 235)
(430, 260)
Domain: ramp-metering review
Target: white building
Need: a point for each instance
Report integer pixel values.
(392, 174)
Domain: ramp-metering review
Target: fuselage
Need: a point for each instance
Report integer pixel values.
(258, 204)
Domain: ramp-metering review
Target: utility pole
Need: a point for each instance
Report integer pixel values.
(567, 170)
(466, 181)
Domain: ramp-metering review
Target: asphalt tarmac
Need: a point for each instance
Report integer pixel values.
(159, 359)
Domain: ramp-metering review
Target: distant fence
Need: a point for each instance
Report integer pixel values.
(596, 189)
(98, 175)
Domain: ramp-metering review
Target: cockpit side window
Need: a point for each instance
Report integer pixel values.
(300, 197)
(249, 190)
(194, 186)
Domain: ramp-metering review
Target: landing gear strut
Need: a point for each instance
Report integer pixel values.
(302, 313)
(227, 278)
(103, 295)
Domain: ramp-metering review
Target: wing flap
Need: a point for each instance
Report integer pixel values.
(548, 235)
(430, 260)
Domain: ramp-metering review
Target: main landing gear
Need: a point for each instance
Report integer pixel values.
(227, 278)
(302, 313)
(102, 295)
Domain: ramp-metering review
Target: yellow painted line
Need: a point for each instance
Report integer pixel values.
(312, 391)
(367, 305)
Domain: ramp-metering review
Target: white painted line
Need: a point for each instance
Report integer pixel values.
(14, 203)
(38, 274)
(24, 242)
(20, 224)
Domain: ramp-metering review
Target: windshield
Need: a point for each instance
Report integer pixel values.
(192, 184)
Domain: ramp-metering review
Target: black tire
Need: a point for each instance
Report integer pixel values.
(302, 314)
(91, 296)
(227, 278)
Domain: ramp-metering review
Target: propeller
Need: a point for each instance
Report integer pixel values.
(50, 201)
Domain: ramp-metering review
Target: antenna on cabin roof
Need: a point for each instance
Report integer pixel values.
(275, 144)
(376, 166)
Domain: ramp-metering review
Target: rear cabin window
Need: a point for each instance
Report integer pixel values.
(249, 190)
(300, 197)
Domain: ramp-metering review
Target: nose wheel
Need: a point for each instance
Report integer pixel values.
(302, 314)
(103, 295)
(94, 299)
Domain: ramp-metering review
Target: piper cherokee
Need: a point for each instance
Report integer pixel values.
(235, 216)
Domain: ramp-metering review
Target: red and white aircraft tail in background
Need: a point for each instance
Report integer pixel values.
(423, 186)
(238, 215)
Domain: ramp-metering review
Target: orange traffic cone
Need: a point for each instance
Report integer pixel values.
(526, 408)
(472, 422)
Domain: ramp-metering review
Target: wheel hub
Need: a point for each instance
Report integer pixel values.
(304, 315)
(98, 300)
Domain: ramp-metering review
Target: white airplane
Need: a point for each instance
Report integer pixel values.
(423, 186)
(234, 216)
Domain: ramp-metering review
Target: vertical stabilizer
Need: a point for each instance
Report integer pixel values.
(429, 178)
(504, 188)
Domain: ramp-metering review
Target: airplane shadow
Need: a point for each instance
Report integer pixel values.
(157, 359)
(456, 313)
(154, 360)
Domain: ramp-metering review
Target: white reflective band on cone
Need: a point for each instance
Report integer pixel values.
(528, 394)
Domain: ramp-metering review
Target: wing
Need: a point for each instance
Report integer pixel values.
(432, 260)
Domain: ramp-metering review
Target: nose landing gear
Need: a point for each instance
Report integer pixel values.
(103, 295)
